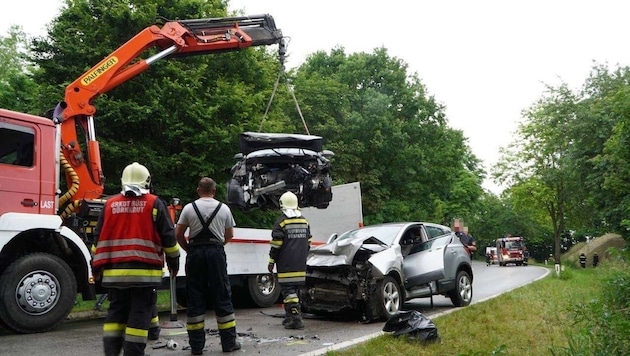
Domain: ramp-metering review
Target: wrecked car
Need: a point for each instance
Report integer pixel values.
(373, 270)
(270, 164)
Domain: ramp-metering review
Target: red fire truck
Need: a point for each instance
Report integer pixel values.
(511, 249)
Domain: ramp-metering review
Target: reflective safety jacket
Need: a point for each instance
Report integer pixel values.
(133, 234)
(290, 243)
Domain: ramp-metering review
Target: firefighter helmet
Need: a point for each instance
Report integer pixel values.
(136, 180)
(288, 200)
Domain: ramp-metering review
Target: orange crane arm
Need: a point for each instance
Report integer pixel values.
(174, 38)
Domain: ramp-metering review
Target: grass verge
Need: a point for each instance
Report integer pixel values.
(532, 320)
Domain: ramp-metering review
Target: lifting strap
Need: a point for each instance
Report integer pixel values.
(273, 93)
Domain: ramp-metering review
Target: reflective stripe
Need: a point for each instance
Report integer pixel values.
(154, 213)
(132, 277)
(125, 242)
(276, 243)
(155, 321)
(114, 330)
(271, 260)
(116, 333)
(226, 318)
(114, 327)
(228, 325)
(172, 251)
(133, 272)
(152, 256)
(196, 326)
(293, 221)
(136, 332)
(291, 274)
(291, 300)
(291, 280)
(136, 339)
(196, 319)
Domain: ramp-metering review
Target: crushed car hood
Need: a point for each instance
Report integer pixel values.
(342, 252)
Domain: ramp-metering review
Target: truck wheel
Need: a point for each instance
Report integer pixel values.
(264, 289)
(461, 296)
(37, 292)
(390, 297)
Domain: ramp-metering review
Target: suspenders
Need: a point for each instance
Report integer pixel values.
(206, 236)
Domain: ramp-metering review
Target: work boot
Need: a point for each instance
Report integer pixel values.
(287, 315)
(228, 340)
(296, 317)
(236, 346)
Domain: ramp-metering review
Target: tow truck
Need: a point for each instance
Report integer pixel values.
(44, 232)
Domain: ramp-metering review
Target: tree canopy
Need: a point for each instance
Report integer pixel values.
(567, 172)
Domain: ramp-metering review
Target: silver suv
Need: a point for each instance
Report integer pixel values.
(375, 269)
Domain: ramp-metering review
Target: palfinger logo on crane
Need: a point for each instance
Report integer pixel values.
(99, 70)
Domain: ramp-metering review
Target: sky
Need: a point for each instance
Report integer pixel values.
(485, 60)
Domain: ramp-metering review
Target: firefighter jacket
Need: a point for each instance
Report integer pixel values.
(133, 233)
(290, 243)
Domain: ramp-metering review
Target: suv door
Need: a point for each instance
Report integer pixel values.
(455, 255)
(425, 262)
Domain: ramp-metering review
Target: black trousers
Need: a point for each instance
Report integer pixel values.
(206, 275)
(128, 319)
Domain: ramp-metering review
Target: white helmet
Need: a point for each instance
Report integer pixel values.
(136, 180)
(288, 200)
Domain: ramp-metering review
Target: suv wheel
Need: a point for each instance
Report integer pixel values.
(461, 296)
(391, 297)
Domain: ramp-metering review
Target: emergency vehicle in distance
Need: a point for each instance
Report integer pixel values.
(491, 255)
(511, 249)
(45, 232)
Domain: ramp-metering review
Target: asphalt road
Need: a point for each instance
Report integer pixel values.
(260, 330)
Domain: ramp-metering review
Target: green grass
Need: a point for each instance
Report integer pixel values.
(532, 320)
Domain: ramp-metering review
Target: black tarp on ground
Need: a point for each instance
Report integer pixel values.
(412, 324)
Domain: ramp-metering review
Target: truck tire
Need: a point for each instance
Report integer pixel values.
(37, 292)
(461, 295)
(264, 289)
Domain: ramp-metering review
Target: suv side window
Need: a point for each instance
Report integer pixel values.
(16, 145)
(434, 231)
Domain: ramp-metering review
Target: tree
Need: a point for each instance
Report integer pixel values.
(539, 157)
(17, 90)
(182, 117)
(390, 135)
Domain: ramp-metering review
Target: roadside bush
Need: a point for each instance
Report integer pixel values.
(603, 324)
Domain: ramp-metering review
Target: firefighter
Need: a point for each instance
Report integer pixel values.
(211, 227)
(133, 232)
(582, 260)
(290, 243)
(595, 259)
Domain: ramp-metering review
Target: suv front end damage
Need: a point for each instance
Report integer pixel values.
(339, 283)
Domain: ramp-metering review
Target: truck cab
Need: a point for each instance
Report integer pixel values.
(27, 180)
(510, 250)
(43, 264)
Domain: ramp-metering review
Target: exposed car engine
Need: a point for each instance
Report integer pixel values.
(270, 164)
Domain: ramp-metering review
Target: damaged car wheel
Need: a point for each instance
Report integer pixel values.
(391, 297)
